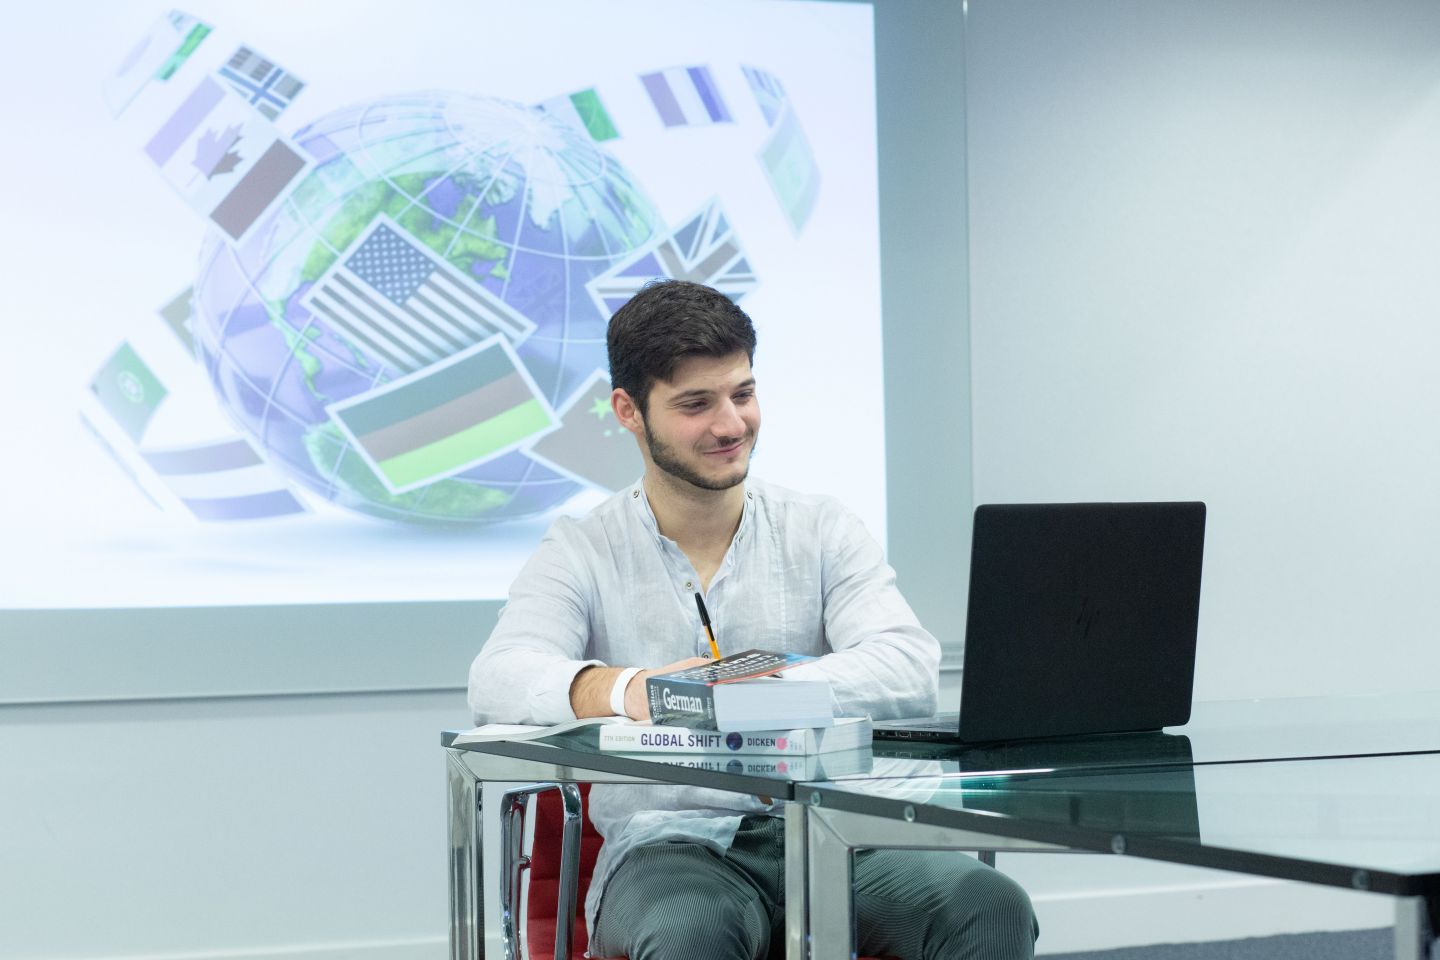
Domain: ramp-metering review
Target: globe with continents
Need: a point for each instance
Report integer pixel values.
(523, 204)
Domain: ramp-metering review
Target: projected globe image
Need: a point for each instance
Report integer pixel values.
(521, 204)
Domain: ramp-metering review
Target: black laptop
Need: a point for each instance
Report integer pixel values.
(1082, 620)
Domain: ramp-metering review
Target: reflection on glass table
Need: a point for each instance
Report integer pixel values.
(1333, 726)
(1222, 731)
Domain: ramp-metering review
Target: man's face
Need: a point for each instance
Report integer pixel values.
(701, 425)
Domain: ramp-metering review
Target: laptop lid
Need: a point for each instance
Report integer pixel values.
(1082, 618)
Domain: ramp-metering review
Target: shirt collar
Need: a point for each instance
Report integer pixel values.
(640, 501)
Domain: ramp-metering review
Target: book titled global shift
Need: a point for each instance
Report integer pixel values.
(740, 692)
(848, 733)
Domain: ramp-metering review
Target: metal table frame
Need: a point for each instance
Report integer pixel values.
(485, 897)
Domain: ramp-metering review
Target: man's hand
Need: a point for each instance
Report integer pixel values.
(637, 703)
(590, 691)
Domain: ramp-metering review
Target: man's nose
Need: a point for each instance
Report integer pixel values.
(728, 422)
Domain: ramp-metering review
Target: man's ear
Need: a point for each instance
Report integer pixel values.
(627, 412)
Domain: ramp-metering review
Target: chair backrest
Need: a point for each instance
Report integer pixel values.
(541, 907)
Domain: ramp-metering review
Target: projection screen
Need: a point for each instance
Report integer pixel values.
(308, 333)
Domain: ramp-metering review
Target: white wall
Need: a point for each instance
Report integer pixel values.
(1203, 266)
(311, 827)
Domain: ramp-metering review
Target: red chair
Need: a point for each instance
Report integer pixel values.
(545, 906)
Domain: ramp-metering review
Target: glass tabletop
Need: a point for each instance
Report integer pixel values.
(1368, 822)
(1218, 732)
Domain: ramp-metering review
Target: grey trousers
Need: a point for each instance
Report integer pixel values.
(683, 901)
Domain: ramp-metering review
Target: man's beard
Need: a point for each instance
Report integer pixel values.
(663, 456)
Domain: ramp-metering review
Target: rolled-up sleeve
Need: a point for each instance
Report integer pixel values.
(524, 670)
(882, 662)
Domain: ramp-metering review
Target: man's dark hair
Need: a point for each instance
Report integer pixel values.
(669, 321)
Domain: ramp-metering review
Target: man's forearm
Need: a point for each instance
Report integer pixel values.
(590, 691)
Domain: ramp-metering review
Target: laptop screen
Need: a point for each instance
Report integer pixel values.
(1082, 618)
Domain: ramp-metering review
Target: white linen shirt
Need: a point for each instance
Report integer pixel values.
(802, 575)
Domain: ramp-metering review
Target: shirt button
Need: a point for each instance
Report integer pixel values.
(689, 585)
(635, 494)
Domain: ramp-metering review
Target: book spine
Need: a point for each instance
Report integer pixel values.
(681, 703)
(659, 739)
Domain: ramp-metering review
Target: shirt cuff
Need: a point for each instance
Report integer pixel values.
(550, 695)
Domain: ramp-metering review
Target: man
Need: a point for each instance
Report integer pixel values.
(608, 600)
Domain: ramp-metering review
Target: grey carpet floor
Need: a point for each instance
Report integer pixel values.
(1344, 945)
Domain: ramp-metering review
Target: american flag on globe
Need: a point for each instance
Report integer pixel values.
(406, 306)
(703, 249)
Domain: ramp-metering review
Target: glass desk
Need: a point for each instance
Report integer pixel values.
(1362, 823)
(1140, 779)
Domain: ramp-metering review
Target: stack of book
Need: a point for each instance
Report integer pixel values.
(738, 705)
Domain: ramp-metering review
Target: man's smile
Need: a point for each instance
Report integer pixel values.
(729, 451)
